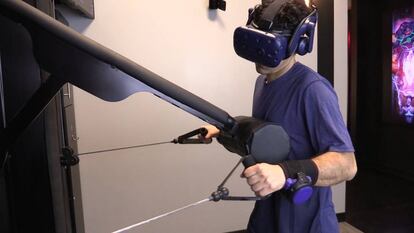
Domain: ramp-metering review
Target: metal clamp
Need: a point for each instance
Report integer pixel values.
(68, 158)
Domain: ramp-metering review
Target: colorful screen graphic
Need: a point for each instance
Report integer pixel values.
(403, 64)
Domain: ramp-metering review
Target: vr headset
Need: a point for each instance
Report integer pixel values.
(257, 42)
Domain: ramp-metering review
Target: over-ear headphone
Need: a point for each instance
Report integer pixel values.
(257, 42)
(301, 41)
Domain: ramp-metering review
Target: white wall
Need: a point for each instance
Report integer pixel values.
(187, 44)
(341, 79)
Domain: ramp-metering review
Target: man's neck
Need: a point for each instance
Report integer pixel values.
(285, 66)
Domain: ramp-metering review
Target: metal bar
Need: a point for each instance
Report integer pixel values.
(30, 111)
(3, 110)
(81, 61)
(230, 173)
(240, 198)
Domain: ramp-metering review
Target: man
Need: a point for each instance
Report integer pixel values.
(306, 106)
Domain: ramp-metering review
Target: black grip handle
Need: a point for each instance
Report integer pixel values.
(186, 138)
(248, 161)
(203, 131)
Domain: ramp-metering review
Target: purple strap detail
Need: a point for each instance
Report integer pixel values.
(289, 183)
(301, 195)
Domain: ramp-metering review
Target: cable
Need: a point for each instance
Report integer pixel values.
(162, 215)
(124, 148)
(183, 139)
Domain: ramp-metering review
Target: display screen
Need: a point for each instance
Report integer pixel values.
(403, 64)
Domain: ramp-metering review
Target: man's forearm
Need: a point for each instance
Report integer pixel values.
(335, 167)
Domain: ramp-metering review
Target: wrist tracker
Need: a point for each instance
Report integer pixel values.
(300, 175)
(300, 188)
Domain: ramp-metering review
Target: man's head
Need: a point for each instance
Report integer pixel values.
(286, 16)
(275, 31)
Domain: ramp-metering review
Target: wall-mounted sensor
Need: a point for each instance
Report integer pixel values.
(217, 4)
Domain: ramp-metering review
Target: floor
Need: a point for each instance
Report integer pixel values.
(347, 228)
(380, 203)
(343, 226)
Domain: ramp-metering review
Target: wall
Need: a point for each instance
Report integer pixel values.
(187, 44)
(341, 79)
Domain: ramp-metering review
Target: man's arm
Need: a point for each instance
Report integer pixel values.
(333, 168)
(263, 178)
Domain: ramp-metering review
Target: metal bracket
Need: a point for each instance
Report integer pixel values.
(217, 4)
(68, 158)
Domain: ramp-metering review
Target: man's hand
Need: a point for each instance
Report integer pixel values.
(212, 131)
(264, 178)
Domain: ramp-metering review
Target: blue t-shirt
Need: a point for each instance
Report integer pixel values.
(306, 106)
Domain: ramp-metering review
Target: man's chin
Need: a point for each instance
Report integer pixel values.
(262, 69)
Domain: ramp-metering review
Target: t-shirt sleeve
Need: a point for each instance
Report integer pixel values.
(324, 121)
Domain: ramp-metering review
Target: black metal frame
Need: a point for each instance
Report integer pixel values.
(3, 113)
(49, 206)
(31, 110)
(326, 39)
(66, 56)
(4, 212)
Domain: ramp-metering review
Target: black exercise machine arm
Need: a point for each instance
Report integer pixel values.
(70, 57)
(73, 58)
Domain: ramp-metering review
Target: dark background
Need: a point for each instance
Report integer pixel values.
(379, 199)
